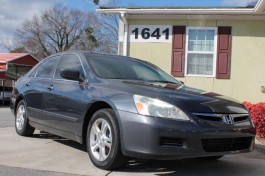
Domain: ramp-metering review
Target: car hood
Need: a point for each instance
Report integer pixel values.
(187, 98)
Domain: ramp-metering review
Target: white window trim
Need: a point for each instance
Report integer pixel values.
(214, 56)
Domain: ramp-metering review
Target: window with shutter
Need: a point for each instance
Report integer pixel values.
(201, 51)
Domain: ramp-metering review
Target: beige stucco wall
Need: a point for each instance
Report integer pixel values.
(247, 61)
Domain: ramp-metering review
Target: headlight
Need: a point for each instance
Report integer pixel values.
(158, 108)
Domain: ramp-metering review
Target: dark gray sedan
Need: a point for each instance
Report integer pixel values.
(122, 107)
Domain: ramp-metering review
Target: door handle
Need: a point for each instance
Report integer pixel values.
(50, 87)
(28, 84)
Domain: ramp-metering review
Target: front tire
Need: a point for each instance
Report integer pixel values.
(103, 140)
(22, 125)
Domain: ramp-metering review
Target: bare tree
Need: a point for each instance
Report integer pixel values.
(105, 28)
(61, 29)
(6, 44)
(252, 3)
(57, 29)
(106, 32)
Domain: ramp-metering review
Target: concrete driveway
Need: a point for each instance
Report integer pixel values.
(46, 154)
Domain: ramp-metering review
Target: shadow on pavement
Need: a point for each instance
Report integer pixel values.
(45, 135)
(229, 165)
(186, 167)
(70, 143)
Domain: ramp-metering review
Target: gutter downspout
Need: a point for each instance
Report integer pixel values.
(125, 36)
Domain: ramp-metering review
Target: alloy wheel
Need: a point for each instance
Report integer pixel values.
(100, 139)
(20, 119)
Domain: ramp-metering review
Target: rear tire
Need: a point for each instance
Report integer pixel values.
(22, 125)
(103, 140)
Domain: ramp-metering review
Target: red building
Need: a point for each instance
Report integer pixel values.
(12, 66)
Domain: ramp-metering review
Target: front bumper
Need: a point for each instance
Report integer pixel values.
(159, 138)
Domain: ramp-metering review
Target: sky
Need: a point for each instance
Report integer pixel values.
(14, 12)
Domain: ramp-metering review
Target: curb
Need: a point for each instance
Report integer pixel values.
(259, 147)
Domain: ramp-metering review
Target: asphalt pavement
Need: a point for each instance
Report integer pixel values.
(14, 171)
(6, 117)
(47, 154)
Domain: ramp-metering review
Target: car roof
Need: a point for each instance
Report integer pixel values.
(88, 53)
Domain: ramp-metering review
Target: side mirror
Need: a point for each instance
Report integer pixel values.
(70, 74)
(181, 82)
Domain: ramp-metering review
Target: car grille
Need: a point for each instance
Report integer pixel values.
(226, 144)
(210, 118)
(239, 119)
(218, 117)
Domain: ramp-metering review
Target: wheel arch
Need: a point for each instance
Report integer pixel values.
(95, 106)
(18, 99)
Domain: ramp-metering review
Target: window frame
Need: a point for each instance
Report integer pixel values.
(34, 72)
(215, 29)
(57, 65)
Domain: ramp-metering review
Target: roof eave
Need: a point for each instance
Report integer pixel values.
(260, 7)
(176, 11)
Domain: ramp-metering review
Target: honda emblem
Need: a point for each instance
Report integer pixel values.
(228, 119)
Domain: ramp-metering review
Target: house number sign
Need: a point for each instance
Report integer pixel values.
(151, 33)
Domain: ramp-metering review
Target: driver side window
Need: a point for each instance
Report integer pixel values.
(68, 61)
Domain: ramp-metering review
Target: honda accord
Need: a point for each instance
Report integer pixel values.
(121, 107)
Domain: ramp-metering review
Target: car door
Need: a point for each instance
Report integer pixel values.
(34, 88)
(64, 103)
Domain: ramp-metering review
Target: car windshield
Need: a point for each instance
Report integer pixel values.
(111, 67)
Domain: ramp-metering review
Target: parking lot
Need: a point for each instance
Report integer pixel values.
(46, 154)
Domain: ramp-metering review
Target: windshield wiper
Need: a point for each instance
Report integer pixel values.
(116, 78)
(148, 81)
(163, 81)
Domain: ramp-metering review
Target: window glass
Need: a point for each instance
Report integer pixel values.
(201, 64)
(45, 69)
(68, 61)
(201, 40)
(143, 73)
(200, 52)
(112, 67)
(192, 35)
(33, 73)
